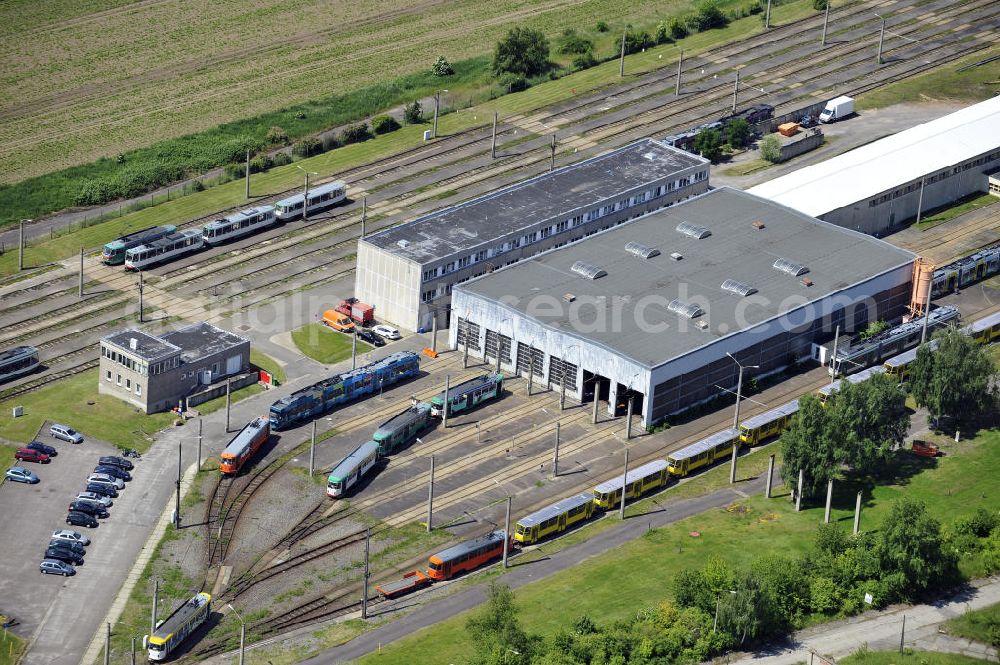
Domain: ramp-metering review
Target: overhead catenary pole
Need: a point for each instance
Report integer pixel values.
(736, 89)
(465, 351)
(444, 407)
(132, 653)
(798, 492)
(248, 174)
(881, 38)
(434, 332)
(430, 497)
(770, 477)
(107, 644)
(628, 420)
(736, 424)
(902, 634)
(767, 16)
(829, 500)
(555, 457)
(200, 425)
(20, 245)
(140, 296)
(677, 86)
(833, 357)
(156, 599)
(229, 401)
(81, 272)
(621, 63)
(826, 21)
(364, 214)
(493, 142)
(552, 154)
(437, 105)
(927, 314)
(177, 501)
(354, 350)
(597, 395)
(506, 533)
(920, 201)
(243, 638)
(857, 514)
(364, 591)
(562, 386)
(531, 369)
(621, 511)
(312, 450)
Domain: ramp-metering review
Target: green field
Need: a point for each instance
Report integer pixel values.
(909, 657)
(11, 647)
(74, 401)
(325, 345)
(269, 365)
(966, 204)
(637, 574)
(981, 625)
(944, 83)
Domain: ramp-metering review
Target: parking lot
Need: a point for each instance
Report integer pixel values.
(28, 516)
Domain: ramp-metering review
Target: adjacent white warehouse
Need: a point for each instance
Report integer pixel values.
(877, 187)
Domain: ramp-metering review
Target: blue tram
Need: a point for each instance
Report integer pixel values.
(315, 400)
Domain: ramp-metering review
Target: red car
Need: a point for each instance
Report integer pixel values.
(31, 455)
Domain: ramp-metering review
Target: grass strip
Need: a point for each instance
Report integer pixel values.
(325, 345)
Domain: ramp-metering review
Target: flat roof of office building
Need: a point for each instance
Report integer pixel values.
(638, 307)
(528, 203)
(148, 347)
(202, 339)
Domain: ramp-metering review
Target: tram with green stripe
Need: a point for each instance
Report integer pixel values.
(400, 430)
(468, 395)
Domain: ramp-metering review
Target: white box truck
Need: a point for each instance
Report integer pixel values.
(837, 109)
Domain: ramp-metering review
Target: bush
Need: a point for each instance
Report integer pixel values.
(234, 171)
(442, 67)
(513, 82)
(197, 186)
(276, 136)
(522, 51)
(601, 26)
(634, 42)
(413, 113)
(756, 7)
(819, 5)
(384, 124)
(770, 149)
(677, 28)
(307, 147)
(662, 33)
(283, 158)
(261, 163)
(979, 524)
(356, 133)
(709, 16)
(584, 61)
(571, 43)
(331, 142)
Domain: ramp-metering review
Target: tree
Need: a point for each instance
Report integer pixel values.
(355, 133)
(307, 147)
(784, 593)
(955, 379)
(869, 420)
(413, 113)
(708, 144)
(807, 445)
(442, 67)
(874, 328)
(662, 33)
(677, 28)
(523, 51)
(709, 16)
(496, 628)
(601, 26)
(770, 148)
(738, 132)
(819, 5)
(909, 547)
(634, 42)
(571, 43)
(384, 124)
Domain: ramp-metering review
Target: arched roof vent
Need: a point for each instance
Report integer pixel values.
(678, 306)
(738, 287)
(641, 250)
(587, 270)
(790, 267)
(695, 231)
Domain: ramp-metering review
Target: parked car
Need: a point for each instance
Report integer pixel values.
(112, 460)
(69, 534)
(118, 483)
(69, 545)
(94, 496)
(56, 567)
(81, 519)
(95, 503)
(95, 509)
(65, 433)
(114, 472)
(42, 448)
(386, 331)
(371, 338)
(21, 475)
(103, 489)
(63, 554)
(31, 455)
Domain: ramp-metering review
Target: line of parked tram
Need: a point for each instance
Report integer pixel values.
(965, 271)
(160, 244)
(17, 362)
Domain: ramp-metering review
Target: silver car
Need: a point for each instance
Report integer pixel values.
(21, 475)
(69, 534)
(105, 479)
(94, 497)
(65, 433)
(56, 567)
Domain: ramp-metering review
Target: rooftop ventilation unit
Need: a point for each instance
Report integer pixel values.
(790, 267)
(641, 250)
(678, 306)
(676, 256)
(693, 230)
(569, 297)
(403, 243)
(703, 325)
(738, 287)
(587, 270)
(758, 225)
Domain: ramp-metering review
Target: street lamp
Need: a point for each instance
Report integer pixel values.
(305, 193)
(736, 415)
(437, 105)
(243, 629)
(718, 596)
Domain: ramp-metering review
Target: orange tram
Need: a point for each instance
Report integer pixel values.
(244, 445)
(451, 562)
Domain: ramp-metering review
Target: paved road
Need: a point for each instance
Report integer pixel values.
(881, 630)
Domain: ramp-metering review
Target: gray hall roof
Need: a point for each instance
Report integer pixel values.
(664, 300)
(525, 204)
(148, 347)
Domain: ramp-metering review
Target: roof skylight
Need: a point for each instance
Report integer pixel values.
(641, 250)
(738, 287)
(678, 306)
(693, 230)
(790, 267)
(588, 270)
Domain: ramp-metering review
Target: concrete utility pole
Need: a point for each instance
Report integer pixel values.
(465, 351)
(243, 639)
(628, 420)
(132, 653)
(364, 214)
(177, 501)
(312, 449)
(444, 407)
(829, 500)
(140, 296)
(354, 350)
(736, 89)
(920, 201)
(767, 16)
(833, 358)
(229, 401)
(506, 533)
(434, 332)
(555, 458)
(248, 175)
(107, 644)
(621, 512)
(621, 64)
(770, 477)
(927, 315)
(902, 634)
(305, 199)
(857, 514)
(20, 245)
(364, 592)
(552, 154)
(200, 425)
(826, 20)
(736, 415)
(499, 349)
(562, 386)
(493, 143)
(156, 599)
(531, 369)
(430, 496)
(597, 395)
(881, 38)
(437, 105)
(677, 86)
(798, 493)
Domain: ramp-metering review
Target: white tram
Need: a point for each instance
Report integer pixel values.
(164, 249)
(238, 224)
(320, 198)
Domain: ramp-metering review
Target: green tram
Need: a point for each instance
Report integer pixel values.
(401, 429)
(469, 394)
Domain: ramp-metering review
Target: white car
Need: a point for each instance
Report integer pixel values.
(386, 331)
(69, 534)
(105, 479)
(94, 497)
(65, 433)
